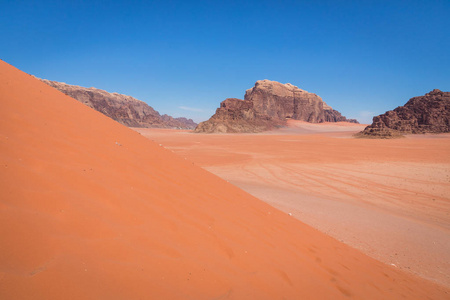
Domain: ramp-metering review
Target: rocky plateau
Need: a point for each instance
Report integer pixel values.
(268, 105)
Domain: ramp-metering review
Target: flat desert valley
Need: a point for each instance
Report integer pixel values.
(388, 198)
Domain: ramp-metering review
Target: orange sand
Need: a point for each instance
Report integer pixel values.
(92, 210)
(388, 198)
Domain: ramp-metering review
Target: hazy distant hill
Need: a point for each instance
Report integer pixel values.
(122, 108)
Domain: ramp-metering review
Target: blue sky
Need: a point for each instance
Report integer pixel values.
(184, 57)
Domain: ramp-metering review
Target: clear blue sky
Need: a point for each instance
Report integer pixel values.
(184, 57)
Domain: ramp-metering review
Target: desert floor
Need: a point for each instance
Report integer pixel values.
(388, 198)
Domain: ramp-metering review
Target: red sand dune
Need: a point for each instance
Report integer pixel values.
(92, 210)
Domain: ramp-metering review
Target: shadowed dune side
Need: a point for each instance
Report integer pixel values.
(92, 210)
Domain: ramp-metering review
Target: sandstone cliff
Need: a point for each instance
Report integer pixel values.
(236, 115)
(267, 105)
(424, 114)
(124, 109)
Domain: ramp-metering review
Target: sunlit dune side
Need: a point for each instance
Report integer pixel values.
(331, 125)
(332, 128)
(92, 210)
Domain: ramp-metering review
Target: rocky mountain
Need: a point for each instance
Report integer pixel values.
(124, 109)
(424, 114)
(268, 105)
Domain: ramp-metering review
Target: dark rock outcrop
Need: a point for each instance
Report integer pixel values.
(424, 114)
(268, 105)
(236, 115)
(332, 115)
(124, 109)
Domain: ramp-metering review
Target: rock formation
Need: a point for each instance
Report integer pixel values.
(424, 114)
(124, 109)
(332, 115)
(268, 105)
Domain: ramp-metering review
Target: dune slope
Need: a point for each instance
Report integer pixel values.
(92, 210)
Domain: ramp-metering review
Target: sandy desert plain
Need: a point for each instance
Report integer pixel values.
(91, 209)
(388, 198)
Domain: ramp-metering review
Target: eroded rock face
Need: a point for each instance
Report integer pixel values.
(424, 114)
(281, 101)
(267, 105)
(124, 109)
(332, 115)
(236, 115)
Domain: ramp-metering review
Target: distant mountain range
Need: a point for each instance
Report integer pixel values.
(124, 109)
(268, 105)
